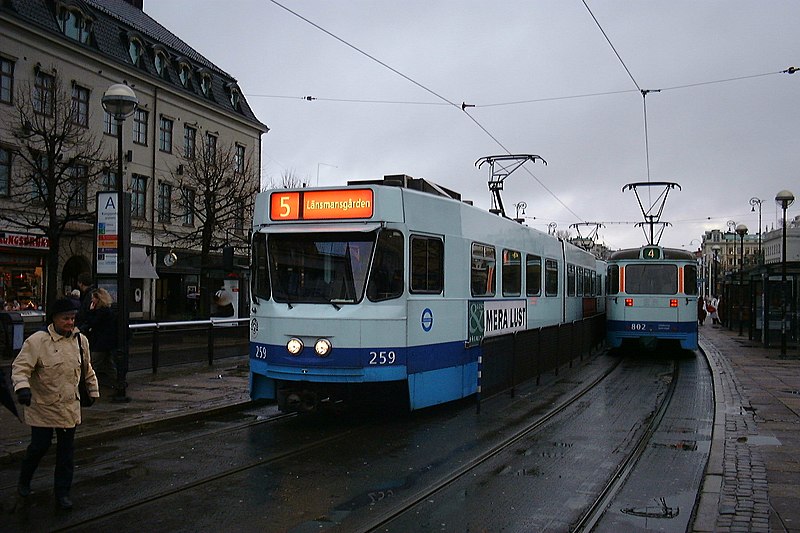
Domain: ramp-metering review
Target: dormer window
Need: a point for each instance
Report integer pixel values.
(205, 84)
(185, 74)
(74, 25)
(233, 93)
(160, 63)
(135, 49)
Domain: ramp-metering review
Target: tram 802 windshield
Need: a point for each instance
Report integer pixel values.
(334, 267)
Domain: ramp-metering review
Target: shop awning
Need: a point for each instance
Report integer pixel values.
(141, 267)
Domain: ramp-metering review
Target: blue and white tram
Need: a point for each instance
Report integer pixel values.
(652, 295)
(393, 284)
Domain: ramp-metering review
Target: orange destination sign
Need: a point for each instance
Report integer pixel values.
(321, 205)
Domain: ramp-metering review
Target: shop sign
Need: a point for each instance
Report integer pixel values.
(20, 240)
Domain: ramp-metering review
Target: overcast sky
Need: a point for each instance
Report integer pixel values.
(723, 143)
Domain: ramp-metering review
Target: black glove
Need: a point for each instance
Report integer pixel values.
(24, 396)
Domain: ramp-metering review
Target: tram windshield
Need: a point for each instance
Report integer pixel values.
(651, 279)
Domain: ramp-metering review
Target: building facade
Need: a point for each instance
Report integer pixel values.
(186, 104)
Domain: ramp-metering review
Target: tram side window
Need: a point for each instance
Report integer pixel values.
(259, 268)
(690, 279)
(533, 275)
(588, 289)
(612, 279)
(386, 279)
(570, 280)
(483, 270)
(551, 277)
(512, 273)
(427, 264)
(579, 278)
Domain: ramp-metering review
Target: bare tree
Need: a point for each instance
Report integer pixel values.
(55, 160)
(217, 187)
(289, 180)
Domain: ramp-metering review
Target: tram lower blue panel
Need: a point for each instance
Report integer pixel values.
(618, 330)
(440, 386)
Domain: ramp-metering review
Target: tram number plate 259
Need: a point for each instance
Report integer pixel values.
(382, 358)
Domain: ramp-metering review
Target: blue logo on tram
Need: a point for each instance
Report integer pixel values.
(427, 319)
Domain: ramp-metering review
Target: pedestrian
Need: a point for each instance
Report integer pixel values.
(86, 286)
(713, 310)
(46, 376)
(75, 296)
(701, 310)
(101, 321)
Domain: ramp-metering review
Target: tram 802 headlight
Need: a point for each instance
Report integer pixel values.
(322, 347)
(295, 346)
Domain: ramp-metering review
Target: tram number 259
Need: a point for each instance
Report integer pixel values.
(382, 358)
(638, 326)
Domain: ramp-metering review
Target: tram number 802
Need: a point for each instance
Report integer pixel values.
(382, 358)
(638, 326)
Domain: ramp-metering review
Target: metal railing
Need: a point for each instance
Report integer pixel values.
(187, 341)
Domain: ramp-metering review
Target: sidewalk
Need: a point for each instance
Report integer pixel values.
(183, 391)
(752, 480)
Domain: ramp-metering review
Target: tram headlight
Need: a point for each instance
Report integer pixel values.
(323, 347)
(294, 346)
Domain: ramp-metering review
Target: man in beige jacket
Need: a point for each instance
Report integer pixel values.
(45, 375)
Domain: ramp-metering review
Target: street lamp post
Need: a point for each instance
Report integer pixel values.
(783, 199)
(715, 269)
(741, 230)
(318, 165)
(120, 102)
(754, 201)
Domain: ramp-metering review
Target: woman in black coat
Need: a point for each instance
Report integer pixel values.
(102, 333)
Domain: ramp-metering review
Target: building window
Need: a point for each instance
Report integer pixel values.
(109, 180)
(74, 25)
(110, 124)
(238, 159)
(185, 75)
(5, 172)
(205, 84)
(165, 135)
(78, 185)
(234, 97)
(6, 80)
(164, 201)
(188, 206)
(38, 185)
(135, 51)
(211, 146)
(80, 105)
(238, 217)
(43, 93)
(140, 126)
(138, 196)
(160, 63)
(189, 140)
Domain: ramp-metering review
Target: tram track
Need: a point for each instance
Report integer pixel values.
(498, 448)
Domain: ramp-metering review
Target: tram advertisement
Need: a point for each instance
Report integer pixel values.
(490, 318)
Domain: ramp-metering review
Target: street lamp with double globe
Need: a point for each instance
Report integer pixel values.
(120, 102)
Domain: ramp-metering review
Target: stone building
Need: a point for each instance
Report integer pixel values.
(185, 103)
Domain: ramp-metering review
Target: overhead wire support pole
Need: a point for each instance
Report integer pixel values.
(500, 167)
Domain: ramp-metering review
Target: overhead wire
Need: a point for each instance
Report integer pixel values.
(463, 107)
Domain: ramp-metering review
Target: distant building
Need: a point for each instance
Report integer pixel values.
(773, 243)
(184, 99)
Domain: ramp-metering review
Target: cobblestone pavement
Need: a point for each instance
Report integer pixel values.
(752, 481)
